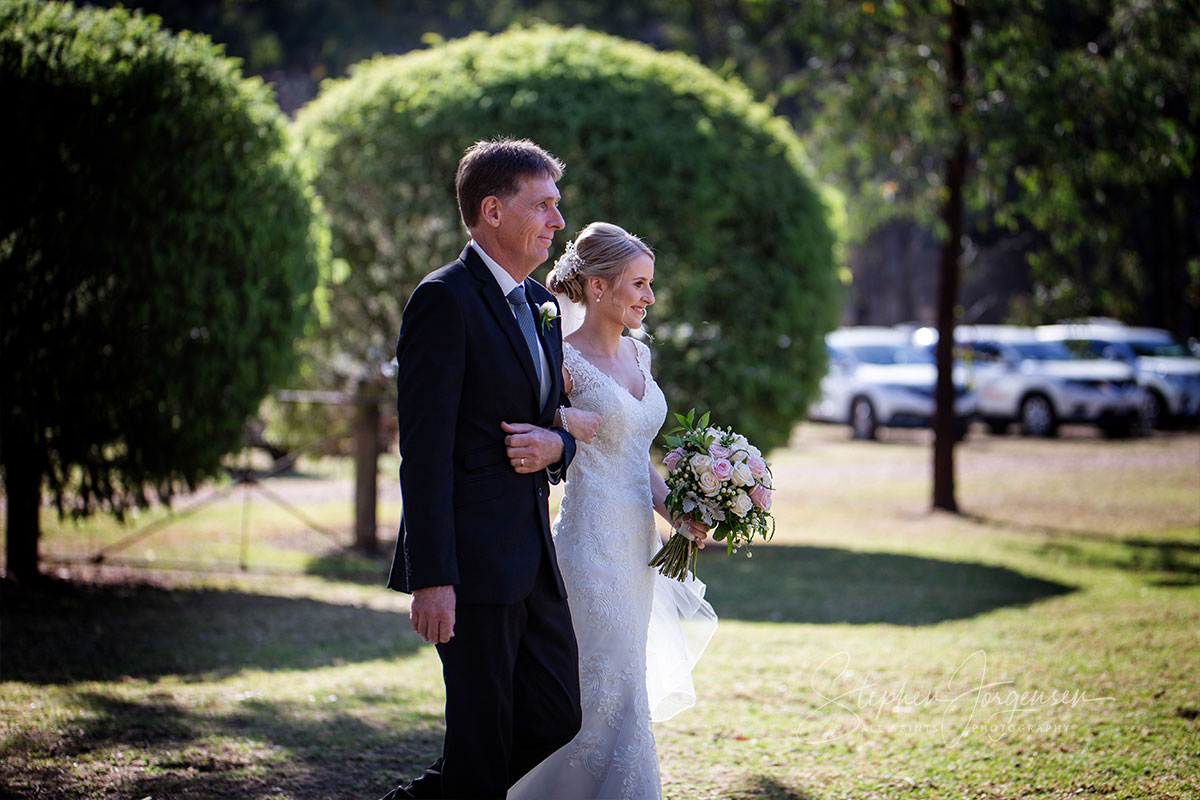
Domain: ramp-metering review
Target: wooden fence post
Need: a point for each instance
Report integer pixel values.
(366, 467)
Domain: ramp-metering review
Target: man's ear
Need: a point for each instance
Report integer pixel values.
(489, 211)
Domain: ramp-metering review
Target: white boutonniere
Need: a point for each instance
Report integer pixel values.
(549, 312)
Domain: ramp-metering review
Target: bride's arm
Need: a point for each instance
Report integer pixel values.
(579, 423)
(686, 525)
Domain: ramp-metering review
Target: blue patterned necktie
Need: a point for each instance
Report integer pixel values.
(516, 298)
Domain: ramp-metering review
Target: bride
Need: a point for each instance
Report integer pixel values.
(605, 534)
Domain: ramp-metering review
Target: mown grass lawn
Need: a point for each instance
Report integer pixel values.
(1044, 643)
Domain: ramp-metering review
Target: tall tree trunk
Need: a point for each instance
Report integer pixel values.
(944, 422)
(23, 490)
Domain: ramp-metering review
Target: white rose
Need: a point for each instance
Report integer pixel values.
(710, 484)
(739, 455)
(742, 504)
(742, 476)
(701, 464)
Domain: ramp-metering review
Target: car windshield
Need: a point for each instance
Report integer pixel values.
(1042, 351)
(888, 354)
(1160, 348)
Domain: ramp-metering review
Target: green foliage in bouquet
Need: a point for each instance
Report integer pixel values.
(715, 476)
(159, 251)
(714, 181)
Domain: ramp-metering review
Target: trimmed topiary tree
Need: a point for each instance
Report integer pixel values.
(655, 142)
(159, 249)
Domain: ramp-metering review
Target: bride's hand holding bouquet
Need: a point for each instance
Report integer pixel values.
(717, 479)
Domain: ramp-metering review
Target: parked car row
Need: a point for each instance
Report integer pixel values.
(1123, 380)
(1168, 372)
(881, 377)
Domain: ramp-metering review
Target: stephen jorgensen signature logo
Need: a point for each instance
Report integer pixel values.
(996, 705)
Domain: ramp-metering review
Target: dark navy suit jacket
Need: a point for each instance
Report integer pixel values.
(469, 520)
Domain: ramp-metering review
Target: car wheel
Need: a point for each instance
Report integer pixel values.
(997, 425)
(1153, 412)
(862, 419)
(1037, 416)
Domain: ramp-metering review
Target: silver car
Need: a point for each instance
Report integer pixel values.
(1167, 371)
(1040, 384)
(878, 378)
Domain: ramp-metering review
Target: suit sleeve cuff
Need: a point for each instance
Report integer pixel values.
(558, 469)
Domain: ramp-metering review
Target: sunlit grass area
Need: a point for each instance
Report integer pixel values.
(1042, 643)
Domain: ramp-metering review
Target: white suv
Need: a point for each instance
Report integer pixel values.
(1166, 370)
(877, 377)
(1022, 378)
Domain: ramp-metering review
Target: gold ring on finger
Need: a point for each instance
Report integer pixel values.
(522, 462)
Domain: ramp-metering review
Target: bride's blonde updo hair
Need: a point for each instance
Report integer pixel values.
(601, 250)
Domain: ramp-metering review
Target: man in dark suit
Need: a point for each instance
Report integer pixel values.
(479, 380)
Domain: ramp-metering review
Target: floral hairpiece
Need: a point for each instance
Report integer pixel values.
(569, 262)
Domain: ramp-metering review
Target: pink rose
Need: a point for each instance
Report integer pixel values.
(758, 467)
(722, 468)
(718, 451)
(761, 497)
(672, 459)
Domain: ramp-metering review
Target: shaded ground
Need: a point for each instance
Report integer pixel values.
(822, 586)
(65, 632)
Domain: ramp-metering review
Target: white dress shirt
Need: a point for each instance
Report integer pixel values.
(507, 284)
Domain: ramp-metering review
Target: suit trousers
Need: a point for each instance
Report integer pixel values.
(512, 692)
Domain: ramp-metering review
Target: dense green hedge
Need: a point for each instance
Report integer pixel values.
(654, 142)
(159, 249)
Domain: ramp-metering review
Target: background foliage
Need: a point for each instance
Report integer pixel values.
(1082, 180)
(159, 249)
(1083, 128)
(654, 142)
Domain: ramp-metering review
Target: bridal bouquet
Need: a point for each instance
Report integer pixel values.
(713, 475)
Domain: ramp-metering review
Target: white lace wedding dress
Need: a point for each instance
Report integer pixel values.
(605, 536)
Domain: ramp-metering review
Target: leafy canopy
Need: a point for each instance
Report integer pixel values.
(746, 283)
(159, 249)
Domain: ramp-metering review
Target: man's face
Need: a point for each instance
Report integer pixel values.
(528, 221)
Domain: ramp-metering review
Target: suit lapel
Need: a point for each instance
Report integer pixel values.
(497, 304)
(545, 332)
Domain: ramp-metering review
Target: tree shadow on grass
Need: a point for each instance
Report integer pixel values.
(260, 749)
(821, 585)
(1162, 562)
(62, 632)
(765, 788)
(352, 566)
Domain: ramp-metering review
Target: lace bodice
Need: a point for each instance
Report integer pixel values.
(616, 460)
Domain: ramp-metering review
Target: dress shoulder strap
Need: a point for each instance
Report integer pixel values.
(643, 355)
(583, 374)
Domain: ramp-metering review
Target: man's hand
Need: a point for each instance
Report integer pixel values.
(432, 613)
(530, 448)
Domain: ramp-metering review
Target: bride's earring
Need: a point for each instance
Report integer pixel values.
(598, 297)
